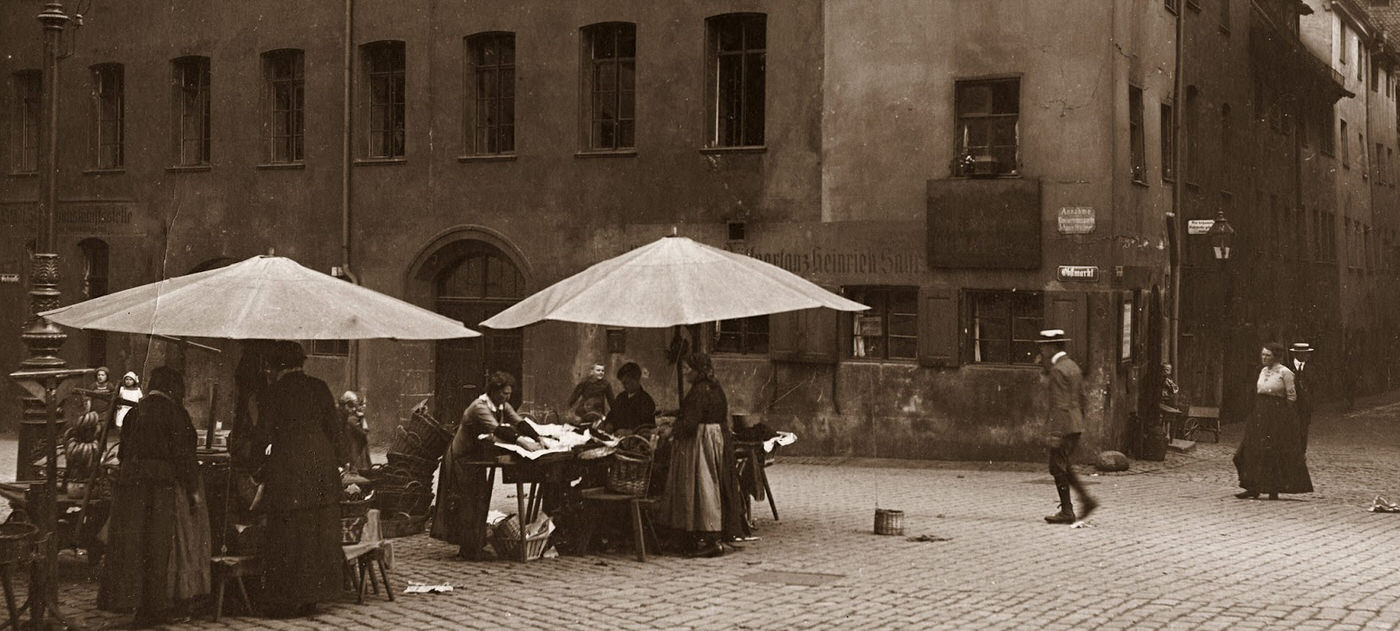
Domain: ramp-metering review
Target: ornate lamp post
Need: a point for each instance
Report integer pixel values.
(42, 373)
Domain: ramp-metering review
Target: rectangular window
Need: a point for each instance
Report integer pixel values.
(490, 98)
(1138, 144)
(1327, 130)
(1379, 163)
(384, 74)
(328, 348)
(744, 335)
(1004, 325)
(1375, 78)
(1225, 15)
(24, 139)
(890, 329)
(109, 115)
(988, 131)
(190, 84)
(1168, 141)
(737, 78)
(1346, 151)
(610, 85)
(284, 106)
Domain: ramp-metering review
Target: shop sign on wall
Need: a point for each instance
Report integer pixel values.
(1199, 226)
(1076, 220)
(1078, 273)
(9, 278)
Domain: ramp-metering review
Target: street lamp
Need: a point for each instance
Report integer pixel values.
(1222, 236)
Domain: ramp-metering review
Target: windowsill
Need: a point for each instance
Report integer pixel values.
(1170, 179)
(1224, 30)
(594, 153)
(743, 149)
(1142, 183)
(24, 174)
(880, 360)
(487, 157)
(280, 166)
(380, 161)
(112, 171)
(1195, 188)
(994, 366)
(741, 355)
(1001, 176)
(188, 168)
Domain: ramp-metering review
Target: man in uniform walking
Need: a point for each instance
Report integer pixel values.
(1066, 423)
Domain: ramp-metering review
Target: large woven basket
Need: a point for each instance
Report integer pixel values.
(630, 471)
(415, 466)
(16, 542)
(414, 499)
(505, 540)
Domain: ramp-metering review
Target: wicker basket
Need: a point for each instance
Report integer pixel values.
(417, 467)
(505, 540)
(631, 467)
(16, 542)
(413, 498)
(351, 529)
(354, 508)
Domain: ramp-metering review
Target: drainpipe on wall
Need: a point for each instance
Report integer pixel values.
(1178, 188)
(345, 171)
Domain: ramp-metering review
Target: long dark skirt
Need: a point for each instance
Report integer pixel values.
(141, 536)
(1270, 458)
(302, 559)
(463, 500)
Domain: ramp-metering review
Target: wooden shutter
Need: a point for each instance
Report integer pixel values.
(938, 327)
(1068, 310)
(808, 336)
(782, 336)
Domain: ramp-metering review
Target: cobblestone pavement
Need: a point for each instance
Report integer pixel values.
(1170, 549)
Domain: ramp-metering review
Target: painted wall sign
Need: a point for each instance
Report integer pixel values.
(984, 223)
(1076, 220)
(826, 261)
(1078, 273)
(1199, 226)
(9, 278)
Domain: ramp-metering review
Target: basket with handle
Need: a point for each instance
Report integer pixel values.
(630, 471)
(432, 435)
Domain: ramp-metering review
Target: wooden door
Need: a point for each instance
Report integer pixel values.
(482, 284)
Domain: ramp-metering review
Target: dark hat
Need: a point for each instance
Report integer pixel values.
(286, 354)
(1050, 336)
(1301, 347)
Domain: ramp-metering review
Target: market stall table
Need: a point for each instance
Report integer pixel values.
(546, 469)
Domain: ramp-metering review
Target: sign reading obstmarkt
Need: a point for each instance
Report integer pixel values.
(1078, 273)
(1076, 220)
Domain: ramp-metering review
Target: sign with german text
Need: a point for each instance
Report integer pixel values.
(984, 223)
(1199, 226)
(1078, 273)
(1076, 220)
(9, 278)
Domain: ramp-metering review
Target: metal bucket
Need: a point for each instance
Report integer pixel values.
(889, 522)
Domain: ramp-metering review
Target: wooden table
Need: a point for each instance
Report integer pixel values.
(547, 469)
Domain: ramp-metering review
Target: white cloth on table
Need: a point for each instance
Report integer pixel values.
(781, 440)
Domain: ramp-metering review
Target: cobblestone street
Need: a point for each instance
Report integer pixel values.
(1170, 548)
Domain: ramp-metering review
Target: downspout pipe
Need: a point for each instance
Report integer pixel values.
(1178, 188)
(345, 171)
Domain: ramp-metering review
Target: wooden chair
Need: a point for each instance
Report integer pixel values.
(1202, 419)
(641, 521)
(232, 568)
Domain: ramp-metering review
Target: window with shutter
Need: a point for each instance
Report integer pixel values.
(938, 330)
(1068, 310)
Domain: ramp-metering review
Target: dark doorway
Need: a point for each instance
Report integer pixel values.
(477, 282)
(95, 259)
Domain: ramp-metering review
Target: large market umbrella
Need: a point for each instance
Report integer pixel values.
(672, 281)
(264, 297)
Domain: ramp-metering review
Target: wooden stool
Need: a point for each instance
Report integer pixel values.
(366, 564)
(641, 522)
(235, 568)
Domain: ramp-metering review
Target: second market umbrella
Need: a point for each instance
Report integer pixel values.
(671, 281)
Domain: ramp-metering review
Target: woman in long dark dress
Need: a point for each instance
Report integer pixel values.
(301, 551)
(1270, 458)
(157, 510)
(702, 498)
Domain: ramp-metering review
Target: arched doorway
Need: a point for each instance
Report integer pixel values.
(475, 281)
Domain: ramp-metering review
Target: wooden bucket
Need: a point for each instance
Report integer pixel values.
(889, 522)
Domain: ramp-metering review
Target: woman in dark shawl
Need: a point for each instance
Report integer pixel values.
(301, 495)
(159, 529)
(702, 498)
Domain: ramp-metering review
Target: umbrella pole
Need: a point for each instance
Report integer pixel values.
(680, 376)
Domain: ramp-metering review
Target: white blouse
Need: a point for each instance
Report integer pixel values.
(1276, 380)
